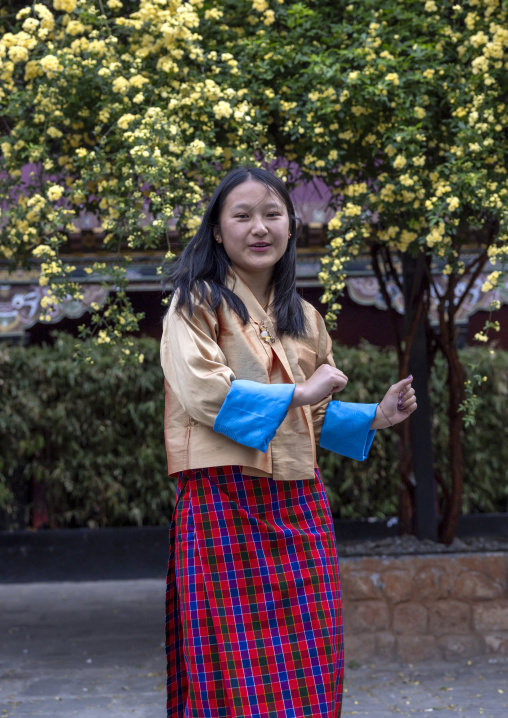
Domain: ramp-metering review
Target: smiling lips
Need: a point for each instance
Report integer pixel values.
(260, 246)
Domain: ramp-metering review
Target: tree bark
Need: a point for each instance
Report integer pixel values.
(415, 297)
(447, 342)
(453, 502)
(406, 488)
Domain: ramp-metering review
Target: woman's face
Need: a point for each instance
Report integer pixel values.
(254, 229)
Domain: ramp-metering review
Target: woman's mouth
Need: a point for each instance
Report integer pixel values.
(260, 246)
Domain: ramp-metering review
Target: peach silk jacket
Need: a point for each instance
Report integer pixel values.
(202, 354)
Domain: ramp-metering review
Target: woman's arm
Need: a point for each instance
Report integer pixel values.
(194, 365)
(196, 369)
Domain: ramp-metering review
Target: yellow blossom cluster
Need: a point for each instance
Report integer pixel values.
(430, 178)
(492, 281)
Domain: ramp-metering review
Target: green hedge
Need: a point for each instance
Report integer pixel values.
(91, 432)
(93, 435)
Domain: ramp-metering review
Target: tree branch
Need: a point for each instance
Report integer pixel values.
(482, 261)
(394, 317)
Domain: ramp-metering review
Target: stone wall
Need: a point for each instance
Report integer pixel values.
(414, 607)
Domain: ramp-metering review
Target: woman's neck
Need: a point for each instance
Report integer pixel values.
(259, 284)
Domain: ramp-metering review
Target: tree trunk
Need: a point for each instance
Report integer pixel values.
(453, 501)
(415, 293)
(406, 514)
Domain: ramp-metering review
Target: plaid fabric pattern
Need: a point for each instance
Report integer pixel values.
(253, 607)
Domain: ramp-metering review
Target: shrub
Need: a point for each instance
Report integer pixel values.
(91, 433)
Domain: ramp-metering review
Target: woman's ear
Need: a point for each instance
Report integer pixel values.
(216, 234)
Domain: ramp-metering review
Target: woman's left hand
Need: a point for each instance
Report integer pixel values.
(398, 403)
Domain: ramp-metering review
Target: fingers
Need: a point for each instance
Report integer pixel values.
(324, 382)
(408, 401)
(403, 384)
(335, 379)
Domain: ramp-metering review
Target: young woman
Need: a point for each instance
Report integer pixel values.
(253, 622)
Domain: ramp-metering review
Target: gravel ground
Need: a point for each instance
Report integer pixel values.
(400, 545)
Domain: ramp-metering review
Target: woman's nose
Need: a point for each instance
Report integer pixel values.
(259, 226)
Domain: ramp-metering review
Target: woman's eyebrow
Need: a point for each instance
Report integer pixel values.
(246, 205)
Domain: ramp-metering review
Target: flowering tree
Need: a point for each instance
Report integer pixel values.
(118, 113)
(130, 110)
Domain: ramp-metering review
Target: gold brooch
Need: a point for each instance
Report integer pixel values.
(266, 335)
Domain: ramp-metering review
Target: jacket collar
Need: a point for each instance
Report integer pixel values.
(259, 316)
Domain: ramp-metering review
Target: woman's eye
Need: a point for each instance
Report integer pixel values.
(274, 214)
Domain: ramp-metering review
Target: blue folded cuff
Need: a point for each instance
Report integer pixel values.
(252, 412)
(346, 429)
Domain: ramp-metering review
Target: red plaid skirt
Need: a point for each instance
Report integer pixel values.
(253, 607)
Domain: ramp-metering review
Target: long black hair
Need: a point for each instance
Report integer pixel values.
(204, 263)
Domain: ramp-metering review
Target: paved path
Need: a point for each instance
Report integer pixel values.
(94, 650)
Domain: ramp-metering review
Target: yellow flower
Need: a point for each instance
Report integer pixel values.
(55, 192)
(43, 251)
(50, 64)
(103, 337)
(47, 19)
(138, 81)
(407, 180)
(352, 210)
(74, 27)
(420, 112)
(480, 64)
(335, 223)
(213, 14)
(399, 162)
(120, 85)
(479, 38)
(392, 77)
(18, 53)
(54, 132)
(491, 281)
(32, 70)
(222, 109)
(405, 239)
(197, 147)
(123, 124)
(453, 203)
(430, 6)
(64, 5)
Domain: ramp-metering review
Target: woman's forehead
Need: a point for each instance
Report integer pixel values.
(251, 194)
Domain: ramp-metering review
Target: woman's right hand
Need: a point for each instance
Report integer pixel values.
(325, 381)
